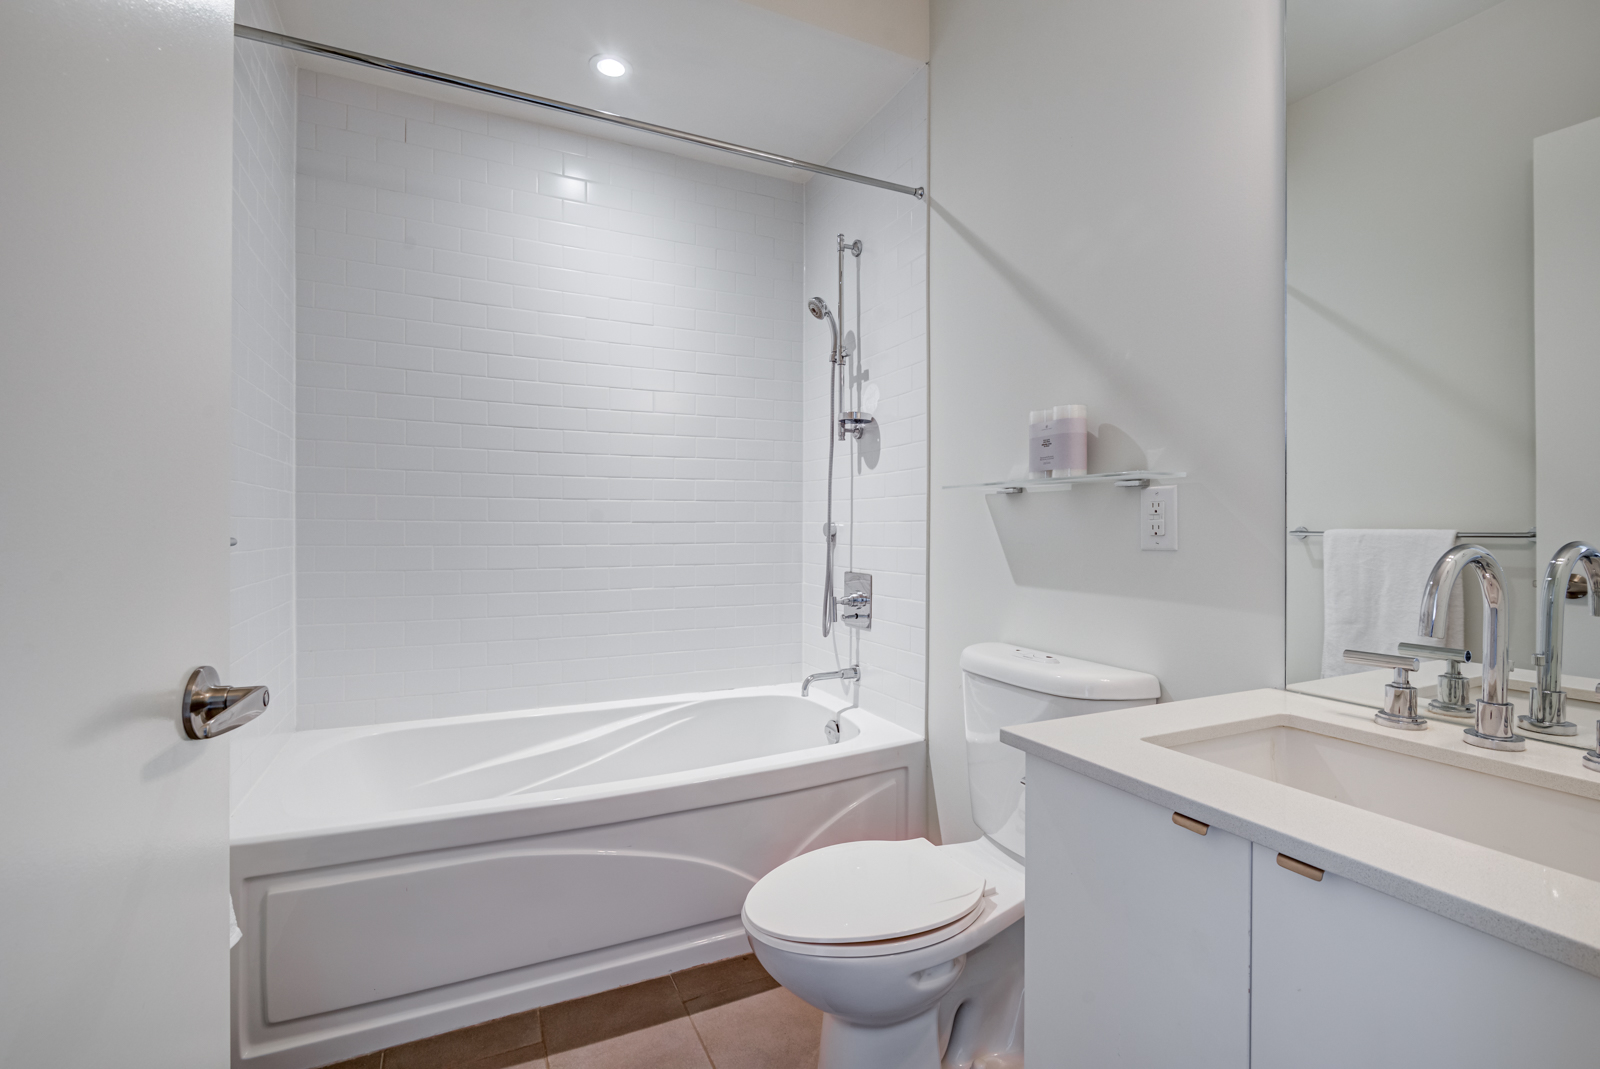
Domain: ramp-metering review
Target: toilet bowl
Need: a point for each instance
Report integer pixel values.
(892, 1001)
(914, 951)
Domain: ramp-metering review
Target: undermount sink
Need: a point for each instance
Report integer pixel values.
(1539, 824)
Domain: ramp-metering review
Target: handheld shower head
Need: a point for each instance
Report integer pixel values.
(819, 308)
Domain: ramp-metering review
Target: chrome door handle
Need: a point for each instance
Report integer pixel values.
(210, 709)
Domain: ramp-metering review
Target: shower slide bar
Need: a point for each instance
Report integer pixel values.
(1302, 533)
(267, 37)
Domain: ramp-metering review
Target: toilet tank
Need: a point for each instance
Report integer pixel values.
(1004, 685)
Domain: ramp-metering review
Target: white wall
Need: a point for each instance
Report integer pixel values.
(880, 483)
(1107, 206)
(898, 25)
(1567, 279)
(261, 635)
(1410, 314)
(548, 418)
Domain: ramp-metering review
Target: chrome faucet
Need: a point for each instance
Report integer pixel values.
(1400, 697)
(847, 674)
(1493, 719)
(1547, 703)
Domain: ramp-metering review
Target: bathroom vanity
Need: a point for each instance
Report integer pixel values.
(1272, 880)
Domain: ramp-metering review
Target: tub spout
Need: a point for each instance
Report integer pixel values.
(851, 673)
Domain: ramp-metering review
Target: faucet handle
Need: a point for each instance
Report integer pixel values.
(1454, 688)
(1399, 697)
(1437, 653)
(1384, 660)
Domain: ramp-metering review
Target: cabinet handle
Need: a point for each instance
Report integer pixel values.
(1190, 824)
(1299, 868)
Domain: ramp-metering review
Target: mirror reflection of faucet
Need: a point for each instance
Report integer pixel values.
(1547, 702)
(1454, 688)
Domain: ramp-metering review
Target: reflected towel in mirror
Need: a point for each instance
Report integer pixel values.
(1372, 584)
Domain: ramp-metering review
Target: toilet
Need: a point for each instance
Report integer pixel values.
(913, 952)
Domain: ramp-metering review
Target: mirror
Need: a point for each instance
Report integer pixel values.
(1443, 321)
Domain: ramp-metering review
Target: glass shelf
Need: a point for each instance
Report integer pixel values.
(1119, 478)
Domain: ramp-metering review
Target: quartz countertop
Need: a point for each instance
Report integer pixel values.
(1544, 909)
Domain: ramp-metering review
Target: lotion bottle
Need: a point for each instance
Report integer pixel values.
(1042, 442)
(1071, 426)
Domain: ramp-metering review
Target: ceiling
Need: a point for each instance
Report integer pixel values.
(721, 68)
(1329, 40)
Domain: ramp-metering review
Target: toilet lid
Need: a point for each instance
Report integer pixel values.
(857, 892)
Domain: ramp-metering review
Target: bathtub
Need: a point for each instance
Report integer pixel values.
(400, 880)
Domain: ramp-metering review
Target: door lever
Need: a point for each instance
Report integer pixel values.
(210, 709)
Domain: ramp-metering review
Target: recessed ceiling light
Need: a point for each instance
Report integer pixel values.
(610, 66)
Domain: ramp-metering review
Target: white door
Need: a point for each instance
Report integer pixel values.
(1566, 352)
(114, 389)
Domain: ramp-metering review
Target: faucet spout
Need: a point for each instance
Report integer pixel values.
(1493, 722)
(847, 674)
(1547, 703)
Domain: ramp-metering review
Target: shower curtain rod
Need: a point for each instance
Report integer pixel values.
(267, 37)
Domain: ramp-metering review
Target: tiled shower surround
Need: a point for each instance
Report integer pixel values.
(261, 607)
(549, 414)
(881, 483)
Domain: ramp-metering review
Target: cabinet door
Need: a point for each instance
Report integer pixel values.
(1138, 940)
(1348, 976)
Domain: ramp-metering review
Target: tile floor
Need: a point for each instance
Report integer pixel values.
(726, 1015)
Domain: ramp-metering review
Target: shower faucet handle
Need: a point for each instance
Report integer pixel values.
(856, 601)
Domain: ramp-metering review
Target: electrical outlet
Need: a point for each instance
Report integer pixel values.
(1158, 518)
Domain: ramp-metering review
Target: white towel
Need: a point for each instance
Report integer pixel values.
(1372, 592)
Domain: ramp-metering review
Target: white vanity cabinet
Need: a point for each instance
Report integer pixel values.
(1138, 941)
(1152, 947)
(1343, 975)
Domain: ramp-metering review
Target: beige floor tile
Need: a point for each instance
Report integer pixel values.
(481, 1043)
(524, 1058)
(366, 1061)
(670, 1045)
(584, 1022)
(729, 980)
(772, 1030)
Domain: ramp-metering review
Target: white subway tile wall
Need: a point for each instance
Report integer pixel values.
(549, 413)
(261, 638)
(880, 482)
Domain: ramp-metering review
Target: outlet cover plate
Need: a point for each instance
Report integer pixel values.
(1158, 518)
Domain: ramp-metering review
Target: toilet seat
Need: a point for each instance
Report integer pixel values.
(877, 947)
(874, 894)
